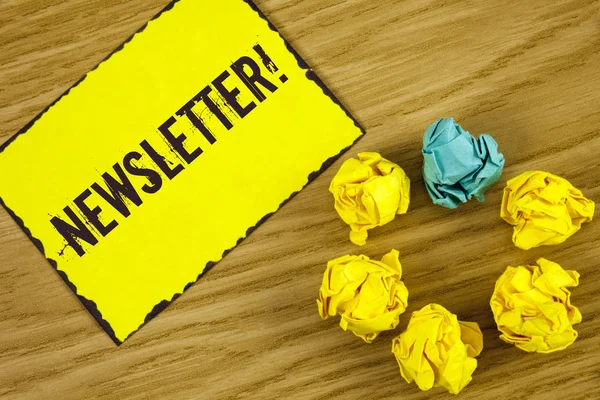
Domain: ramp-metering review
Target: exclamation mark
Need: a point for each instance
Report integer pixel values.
(268, 63)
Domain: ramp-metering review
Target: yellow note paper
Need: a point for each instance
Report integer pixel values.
(369, 192)
(165, 156)
(437, 349)
(544, 208)
(369, 295)
(532, 307)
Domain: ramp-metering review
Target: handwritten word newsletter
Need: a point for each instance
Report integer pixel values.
(117, 187)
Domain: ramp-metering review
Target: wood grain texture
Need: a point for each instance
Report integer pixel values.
(526, 72)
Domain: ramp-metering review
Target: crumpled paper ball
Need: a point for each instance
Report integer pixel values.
(545, 209)
(438, 350)
(456, 166)
(369, 192)
(532, 307)
(368, 294)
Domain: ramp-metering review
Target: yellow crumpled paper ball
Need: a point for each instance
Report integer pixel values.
(368, 294)
(438, 350)
(369, 192)
(545, 209)
(532, 307)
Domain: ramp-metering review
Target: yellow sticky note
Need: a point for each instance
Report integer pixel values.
(163, 157)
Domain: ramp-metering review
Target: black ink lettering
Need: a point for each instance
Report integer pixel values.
(230, 96)
(160, 161)
(177, 142)
(186, 110)
(93, 214)
(72, 233)
(119, 190)
(255, 78)
(268, 63)
(266, 60)
(203, 96)
(154, 179)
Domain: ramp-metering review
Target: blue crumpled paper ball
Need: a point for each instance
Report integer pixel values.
(458, 167)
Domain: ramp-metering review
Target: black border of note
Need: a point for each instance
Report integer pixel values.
(91, 305)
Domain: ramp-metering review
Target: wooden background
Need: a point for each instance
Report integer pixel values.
(527, 72)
